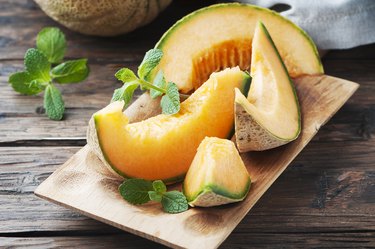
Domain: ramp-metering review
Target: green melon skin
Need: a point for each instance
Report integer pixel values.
(217, 175)
(308, 48)
(251, 135)
(216, 194)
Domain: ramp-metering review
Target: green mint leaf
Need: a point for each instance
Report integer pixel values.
(125, 92)
(126, 75)
(174, 202)
(73, 71)
(170, 102)
(37, 65)
(159, 186)
(23, 83)
(159, 81)
(149, 62)
(53, 103)
(155, 196)
(135, 191)
(51, 42)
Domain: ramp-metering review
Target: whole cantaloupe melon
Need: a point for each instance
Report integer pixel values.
(103, 17)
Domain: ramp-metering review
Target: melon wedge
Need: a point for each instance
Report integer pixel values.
(220, 36)
(163, 147)
(270, 116)
(217, 175)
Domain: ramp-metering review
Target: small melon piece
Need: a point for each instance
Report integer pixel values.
(220, 36)
(217, 175)
(103, 17)
(270, 116)
(163, 147)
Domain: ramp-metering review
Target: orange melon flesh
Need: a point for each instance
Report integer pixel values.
(270, 115)
(220, 36)
(217, 174)
(163, 147)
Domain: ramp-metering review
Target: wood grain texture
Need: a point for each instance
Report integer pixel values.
(341, 187)
(85, 185)
(324, 199)
(354, 122)
(257, 240)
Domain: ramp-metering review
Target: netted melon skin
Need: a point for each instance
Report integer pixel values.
(250, 136)
(103, 17)
(210, 199)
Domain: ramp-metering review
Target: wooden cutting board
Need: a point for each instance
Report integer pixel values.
(84, 185)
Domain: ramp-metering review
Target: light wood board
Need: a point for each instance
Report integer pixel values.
(84, 185)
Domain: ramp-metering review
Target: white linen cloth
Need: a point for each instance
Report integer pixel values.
(333, 24)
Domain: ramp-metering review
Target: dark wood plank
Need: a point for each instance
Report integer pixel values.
(356, 121)
(101, 241)
(321, 191)
(236, 240)
(81, 100)
(361, 52)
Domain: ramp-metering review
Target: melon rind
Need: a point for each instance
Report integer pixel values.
(296, 69)
(242, 81)
(217, 175)
(103, 17)
(250, 134)
(93, 142)
(215, 196)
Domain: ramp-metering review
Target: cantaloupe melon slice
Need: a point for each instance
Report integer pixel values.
(163, 147)
(220, 36)
(270, 116)
(217, 174)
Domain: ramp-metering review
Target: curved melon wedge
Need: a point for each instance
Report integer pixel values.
(163, 147)
(220, 36)
(270, 116)
(217, 175)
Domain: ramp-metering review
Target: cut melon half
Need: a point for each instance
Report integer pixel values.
(220, 36)
(270, 115)
(217, 175)
(163, 147)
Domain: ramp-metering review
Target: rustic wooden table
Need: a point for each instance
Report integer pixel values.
(326, 198)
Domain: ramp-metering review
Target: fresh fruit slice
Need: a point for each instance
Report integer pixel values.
(219, 36)
(163, 147)
(270, 116)
(217, 175)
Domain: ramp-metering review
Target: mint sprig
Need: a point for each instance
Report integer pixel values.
(73, 71)
(149, 62)
(135, 191)
(51, 42)
(140, 191)
(170, 101)
(53, 102)
(38, 75)
(174, 201)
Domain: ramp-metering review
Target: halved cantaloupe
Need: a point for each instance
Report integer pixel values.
(163, 147)
(220, 36)
(270, 116)
(217, 175)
